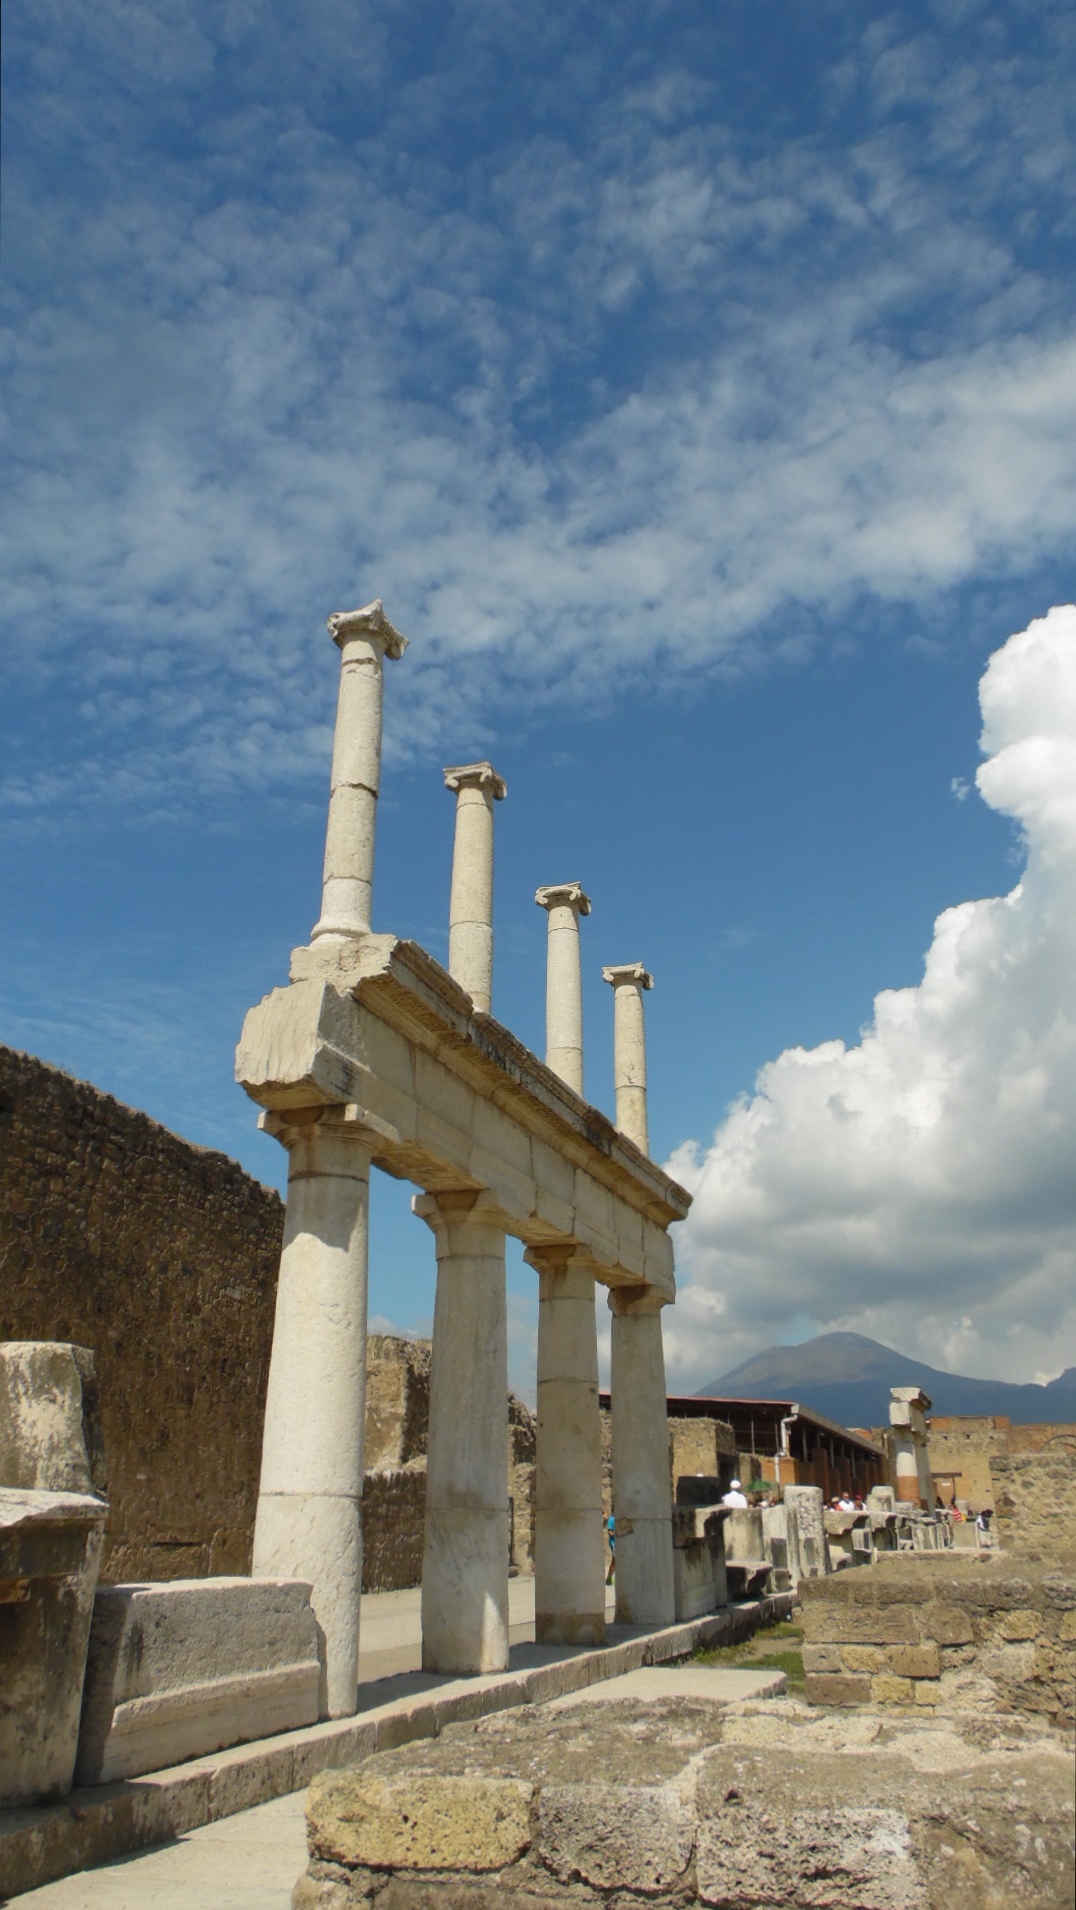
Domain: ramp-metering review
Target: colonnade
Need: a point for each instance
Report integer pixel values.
(309, 1508)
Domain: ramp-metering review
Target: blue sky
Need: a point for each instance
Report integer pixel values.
(695, 384)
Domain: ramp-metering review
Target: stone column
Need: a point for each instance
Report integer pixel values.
(365, 638)
(629, 1049)
(309, 1520)
(564, 903)
(465, 1555)
(642, 1483)
(569, 1548)
(908, 1406)
(470, 914)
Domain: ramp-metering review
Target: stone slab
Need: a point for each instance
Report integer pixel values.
(181, 1669)
(101, 1822)
(715, 1684)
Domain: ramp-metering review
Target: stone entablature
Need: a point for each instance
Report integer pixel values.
(450, 1099)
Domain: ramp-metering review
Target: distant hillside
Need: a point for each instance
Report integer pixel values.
(848, 1377)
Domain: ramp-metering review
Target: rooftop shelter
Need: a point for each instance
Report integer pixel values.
(792, 1444)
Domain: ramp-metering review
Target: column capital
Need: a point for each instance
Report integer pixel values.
(628, 972)
(333, 1120)
(476, 776)
(632, 1302)
(563, 895)
(371, 623)
(554, 1258)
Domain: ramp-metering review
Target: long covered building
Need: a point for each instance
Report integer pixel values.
(780, 1442)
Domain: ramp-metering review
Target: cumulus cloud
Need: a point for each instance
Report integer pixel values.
(600, 381)
(919, 1187)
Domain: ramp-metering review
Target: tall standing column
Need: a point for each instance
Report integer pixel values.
(309, 1519)
(629, 1049)
(365, 638)
(569, 1549)
(642, 1481)
(470, 932)
(564, 903)
(465, 1554)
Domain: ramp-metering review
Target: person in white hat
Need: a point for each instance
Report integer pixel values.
(735, 1495)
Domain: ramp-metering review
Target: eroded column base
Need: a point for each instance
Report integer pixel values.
(317, 1538)
(569, 1628)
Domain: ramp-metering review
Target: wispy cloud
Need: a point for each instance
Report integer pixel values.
(589, 379)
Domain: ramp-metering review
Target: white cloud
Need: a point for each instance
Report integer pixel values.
(919, 1187)
(630, 391)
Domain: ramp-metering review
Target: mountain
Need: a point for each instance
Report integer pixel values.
(847, 1377)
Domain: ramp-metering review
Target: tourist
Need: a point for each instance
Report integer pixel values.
(610, 1532)
(735, 1497)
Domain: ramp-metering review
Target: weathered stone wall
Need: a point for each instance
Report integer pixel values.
(978, 1633)
(397, 1401)
(962, 1450)
(162, 1259)
(698, 1445)
(393, 1515)
(1034, 1497)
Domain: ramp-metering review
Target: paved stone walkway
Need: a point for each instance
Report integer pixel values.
(250, 1861)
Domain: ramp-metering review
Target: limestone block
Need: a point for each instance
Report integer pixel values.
(744, 1540)
(914, 1661)
(616, 1837)
(892, 1690)
(1067, 1629)
(758, 1855)
(180, 1669)
(1018, 1627)
(866, 1657)
(418, 1823)
(832, 1623)
(50, 1553)
(50, 1425)
(948, 1625)
(823, 1658)
(694, 1582)
(837, 1688)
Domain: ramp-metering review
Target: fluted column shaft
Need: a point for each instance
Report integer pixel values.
(309, 1517)
(465, 1554)
(642, 1482)
(365, 638)
(470, 932)
(569, 1549)
(564, 903)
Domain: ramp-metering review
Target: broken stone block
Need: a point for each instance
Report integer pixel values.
(50, 1422)
(50, 1554)
(682, 1801)
(180, 1669)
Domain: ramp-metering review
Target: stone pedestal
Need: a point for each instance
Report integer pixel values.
(477, 787)
(569, 1550)
(564, 903)
(642, 1491)
(308, 1523)
(365, 638)
(465, 1556)
(629, 1049)
(50, 1555)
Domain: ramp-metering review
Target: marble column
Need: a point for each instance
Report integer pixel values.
(365, 638)
(629, 1049)
(908, 1407)
(564, 903)
(569, 1548)
(309, 1518)
(477, 787)
(642, 1479)
(465, 1554)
